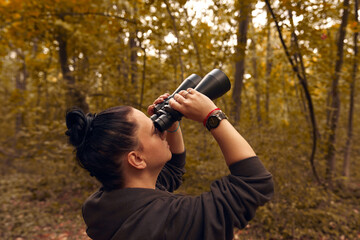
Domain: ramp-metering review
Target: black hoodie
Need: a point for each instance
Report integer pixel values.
(138, 213)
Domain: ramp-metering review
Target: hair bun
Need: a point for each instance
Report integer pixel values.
(78, 125)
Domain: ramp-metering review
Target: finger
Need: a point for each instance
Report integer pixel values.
(164, 96)
(191, 90)
(158, 100)
(150, 109)
(161, 98)
(175, 105)
(179, 98)
(183, 93)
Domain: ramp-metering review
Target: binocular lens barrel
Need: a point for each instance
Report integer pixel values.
(163, 122)
(213, 85)
(191, 82)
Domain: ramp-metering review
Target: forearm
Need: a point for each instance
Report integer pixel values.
(196, 106)
(233, 146)
(175, 139)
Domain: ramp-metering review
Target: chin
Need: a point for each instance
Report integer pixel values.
(169, 158)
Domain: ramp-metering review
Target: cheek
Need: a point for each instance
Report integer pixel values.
(160, 149)
(154, 146)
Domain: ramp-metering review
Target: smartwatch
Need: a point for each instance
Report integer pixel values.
(214, 119)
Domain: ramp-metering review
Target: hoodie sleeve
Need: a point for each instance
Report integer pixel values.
(232, 202)
(170, 177)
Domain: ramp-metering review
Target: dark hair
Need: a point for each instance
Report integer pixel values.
(100, 141)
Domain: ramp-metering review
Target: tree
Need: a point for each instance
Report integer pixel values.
(347, 151)
(178, 44)
(243, 25)
(256, 80)
(268, 64)
(75, 96)
(301, 75)
(335, 98)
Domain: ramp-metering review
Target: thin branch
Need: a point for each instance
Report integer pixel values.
(303, 82)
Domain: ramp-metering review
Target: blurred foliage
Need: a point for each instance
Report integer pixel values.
(122, 52)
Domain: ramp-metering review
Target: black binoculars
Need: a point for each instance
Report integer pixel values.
(213, 85)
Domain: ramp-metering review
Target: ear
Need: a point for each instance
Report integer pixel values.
(135, 160)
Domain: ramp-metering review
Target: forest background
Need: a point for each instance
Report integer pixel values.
(294, 97)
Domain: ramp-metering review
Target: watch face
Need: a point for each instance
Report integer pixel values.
(213, 121)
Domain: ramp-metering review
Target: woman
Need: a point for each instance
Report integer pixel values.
(139, 167)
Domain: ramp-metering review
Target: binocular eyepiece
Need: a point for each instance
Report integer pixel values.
(213, 85)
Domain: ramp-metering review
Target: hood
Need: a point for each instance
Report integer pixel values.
(104, 212)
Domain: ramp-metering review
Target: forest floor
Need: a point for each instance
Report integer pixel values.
(30, 209)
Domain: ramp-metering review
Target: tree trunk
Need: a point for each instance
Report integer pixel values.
(133, 60)
(177, 37)
(123, 74)
(45, 79)
(143, 79)
(335, 98)
(20, 85)
(256, 81)
(133, 66)
(245, 11)
(75, 96)
(347, 151)
(268, 71)
(194, 43)
(133, 88)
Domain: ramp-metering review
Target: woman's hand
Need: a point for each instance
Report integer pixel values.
(192, 104)
(174, 136)
(160, 99)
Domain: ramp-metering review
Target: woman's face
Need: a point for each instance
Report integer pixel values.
(155, 149)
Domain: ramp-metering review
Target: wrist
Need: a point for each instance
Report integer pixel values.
(208, 115)
(174, 128)
(214, 118)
